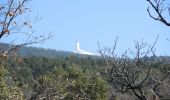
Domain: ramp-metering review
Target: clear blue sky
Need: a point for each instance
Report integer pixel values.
(89, 21)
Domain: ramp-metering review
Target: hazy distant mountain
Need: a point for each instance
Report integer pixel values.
(27, 51)
(34, 51)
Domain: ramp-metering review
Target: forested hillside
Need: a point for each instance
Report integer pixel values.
(67, 77)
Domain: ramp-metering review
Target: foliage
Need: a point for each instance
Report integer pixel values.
(70, 84)
(8, 87)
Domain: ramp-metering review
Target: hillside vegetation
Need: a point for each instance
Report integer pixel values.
(66, 76)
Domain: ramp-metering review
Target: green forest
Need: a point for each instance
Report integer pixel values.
(32, 73)
(63, 77)
(70, 76)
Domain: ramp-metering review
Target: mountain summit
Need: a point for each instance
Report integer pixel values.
(79, 51)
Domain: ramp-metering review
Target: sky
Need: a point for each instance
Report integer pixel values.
(92, 21)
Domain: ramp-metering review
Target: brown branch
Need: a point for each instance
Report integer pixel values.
(159, 11)
(8, 19)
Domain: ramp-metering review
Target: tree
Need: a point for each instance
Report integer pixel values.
(159, 7)
(70, 84)
(14, 21)
(135, 72)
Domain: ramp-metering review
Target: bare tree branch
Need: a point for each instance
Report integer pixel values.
(159, 8)
(135, 74)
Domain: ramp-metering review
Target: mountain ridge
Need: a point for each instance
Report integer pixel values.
(28, 51)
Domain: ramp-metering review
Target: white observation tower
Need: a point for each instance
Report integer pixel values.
(77, 46)
(79, 51)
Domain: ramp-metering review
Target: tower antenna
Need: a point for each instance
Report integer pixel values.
(77, 46)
